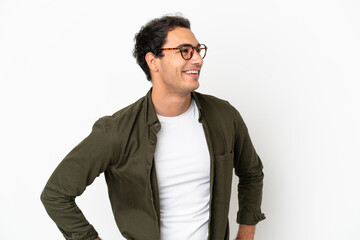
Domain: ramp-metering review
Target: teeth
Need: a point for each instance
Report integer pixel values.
(192, 72)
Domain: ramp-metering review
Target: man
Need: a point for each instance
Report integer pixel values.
(168, 157)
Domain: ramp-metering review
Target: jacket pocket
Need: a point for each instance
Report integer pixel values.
(223, 170)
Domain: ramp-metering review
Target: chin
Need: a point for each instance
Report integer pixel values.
(194, 87)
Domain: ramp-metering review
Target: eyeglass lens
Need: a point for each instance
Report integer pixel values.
(188, 51)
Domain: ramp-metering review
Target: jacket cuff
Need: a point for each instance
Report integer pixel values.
(90, 234)
(84, 236)
(249, 218)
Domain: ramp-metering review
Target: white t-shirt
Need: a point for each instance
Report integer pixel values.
(182, 162)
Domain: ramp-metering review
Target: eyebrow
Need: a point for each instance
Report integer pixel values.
(188, 44)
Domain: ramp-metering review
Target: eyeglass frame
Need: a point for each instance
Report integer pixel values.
(197, 48)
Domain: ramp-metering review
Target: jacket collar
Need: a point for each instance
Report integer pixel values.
(195, 96)
(150, 114)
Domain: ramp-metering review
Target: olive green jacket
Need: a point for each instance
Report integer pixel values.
(123, 145)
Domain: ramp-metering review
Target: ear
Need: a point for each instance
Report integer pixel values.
(152, 62)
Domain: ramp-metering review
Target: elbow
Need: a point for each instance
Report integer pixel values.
(48, 196)
(44, 197)
(252, 178)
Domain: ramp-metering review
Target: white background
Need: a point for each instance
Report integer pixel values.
(290, 67)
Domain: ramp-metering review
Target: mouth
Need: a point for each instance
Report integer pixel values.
(192, 72)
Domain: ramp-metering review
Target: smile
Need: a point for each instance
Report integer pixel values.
(192, 72)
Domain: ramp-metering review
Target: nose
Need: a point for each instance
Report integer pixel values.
(196, 58)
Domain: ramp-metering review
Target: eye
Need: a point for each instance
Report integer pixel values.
(185, 50)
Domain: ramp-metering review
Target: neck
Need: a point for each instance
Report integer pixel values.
(170, 104)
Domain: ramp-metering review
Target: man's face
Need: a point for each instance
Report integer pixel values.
(177, 74)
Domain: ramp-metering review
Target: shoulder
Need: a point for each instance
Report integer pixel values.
(133, 108)
(206, 98)
(216, 108)
(123, 115)
(211, 103)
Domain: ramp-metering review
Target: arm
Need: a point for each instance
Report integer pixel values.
(246, 232)
(69, 180)
(248, 167)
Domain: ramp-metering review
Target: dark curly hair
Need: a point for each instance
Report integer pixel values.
(152, 36)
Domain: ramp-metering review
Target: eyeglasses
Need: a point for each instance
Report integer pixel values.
(187, 51)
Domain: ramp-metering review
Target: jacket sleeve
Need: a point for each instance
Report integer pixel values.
(248, 168)
(78, 170)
